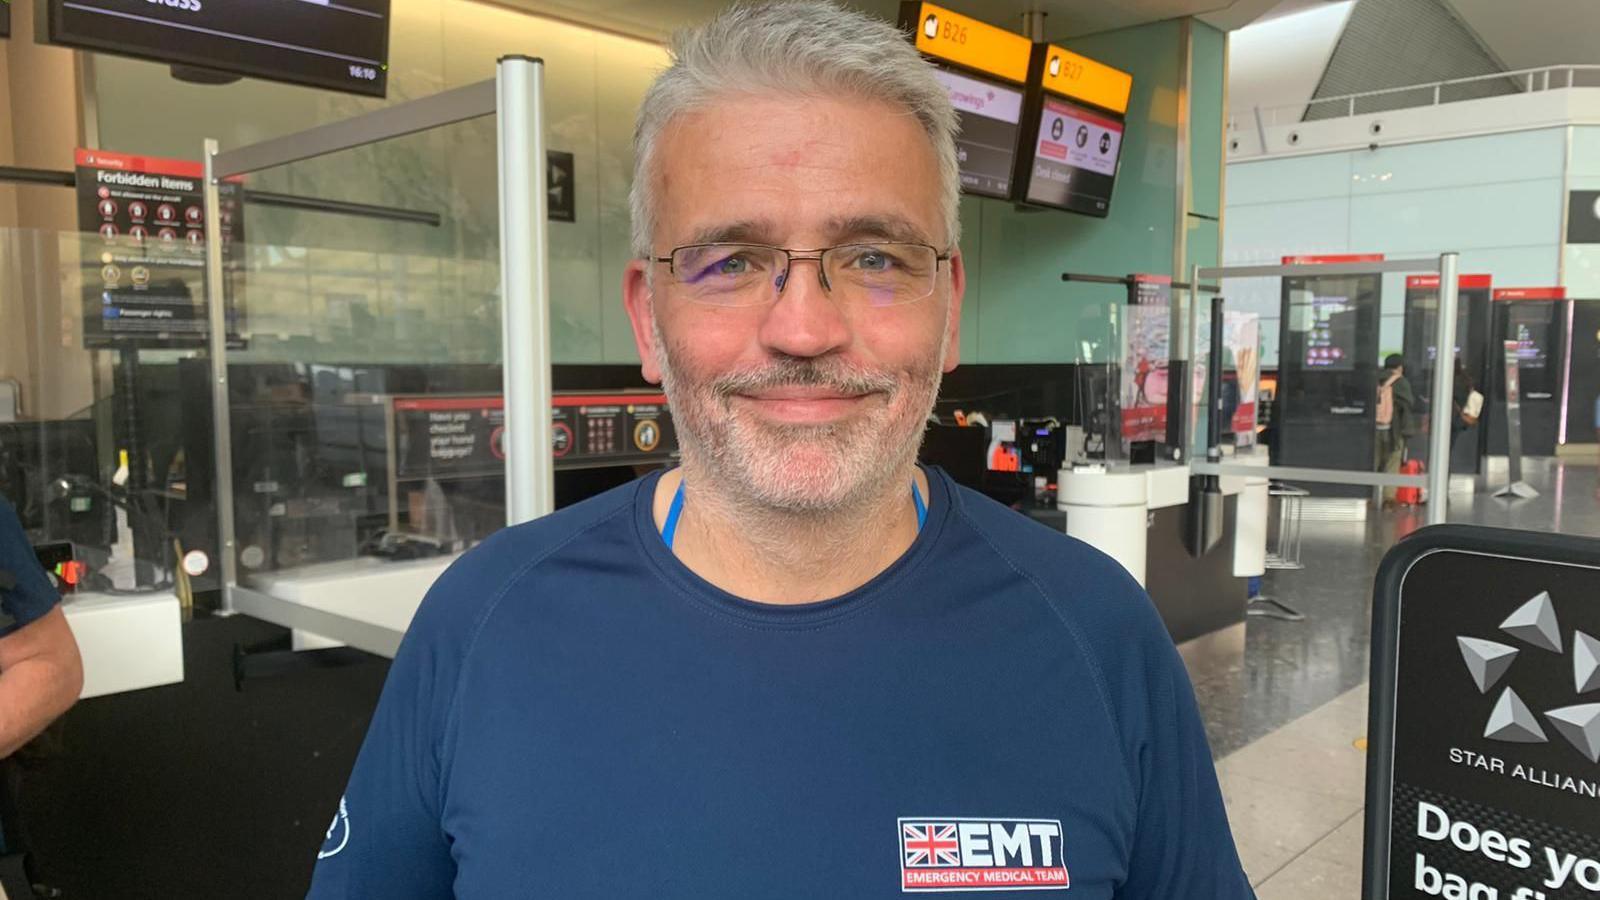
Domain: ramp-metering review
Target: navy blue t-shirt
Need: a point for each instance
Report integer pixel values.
(576, 714)
(32, 595)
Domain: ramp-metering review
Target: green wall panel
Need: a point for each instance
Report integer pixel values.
(1206, 116)
(1026, 313)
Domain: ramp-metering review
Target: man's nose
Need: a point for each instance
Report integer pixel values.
(804, 321)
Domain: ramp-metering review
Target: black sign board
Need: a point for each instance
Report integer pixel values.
(445, 438)
(449, 437)
(561, 183)
(343, 45)
(144, 276)
(1483, 775)
(5, 18)
(1583, 217)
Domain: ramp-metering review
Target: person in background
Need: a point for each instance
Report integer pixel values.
(1397, 405)
(1462, 414)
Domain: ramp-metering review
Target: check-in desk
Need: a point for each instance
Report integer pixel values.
(1139, 516)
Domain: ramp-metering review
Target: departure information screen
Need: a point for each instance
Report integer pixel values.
(1075, 158)
(987, 146)
(337, 44)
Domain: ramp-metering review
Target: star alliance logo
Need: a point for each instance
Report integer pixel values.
(1536, 625)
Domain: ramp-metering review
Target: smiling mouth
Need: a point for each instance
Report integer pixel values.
(802, 406)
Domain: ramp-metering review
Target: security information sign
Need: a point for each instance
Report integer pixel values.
(1484, 772)
(443, 438)
(1075, 158)
(144, 277)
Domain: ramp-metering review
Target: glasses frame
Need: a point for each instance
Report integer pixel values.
(814, 255)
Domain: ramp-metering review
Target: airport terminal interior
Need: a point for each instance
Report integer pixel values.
(1290, 307)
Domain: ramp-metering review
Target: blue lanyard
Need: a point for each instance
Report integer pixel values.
(669, 528)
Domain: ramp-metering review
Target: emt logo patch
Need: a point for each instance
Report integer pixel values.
(956, 854)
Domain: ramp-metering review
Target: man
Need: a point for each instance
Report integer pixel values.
(799, 665)
(40, 672)
(1395, 419)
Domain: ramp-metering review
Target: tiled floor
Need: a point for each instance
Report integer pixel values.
(1284, 721)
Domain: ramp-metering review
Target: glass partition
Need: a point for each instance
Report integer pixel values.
(92, 419)
(365, 391)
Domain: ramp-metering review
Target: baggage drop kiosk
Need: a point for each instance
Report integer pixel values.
(1328, 371)
(1536, 319)
(1472, 351)
(1582, 395)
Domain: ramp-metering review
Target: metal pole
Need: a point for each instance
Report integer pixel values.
(1441, 417)
(524, 288)
(221, 419)
(1191, 349)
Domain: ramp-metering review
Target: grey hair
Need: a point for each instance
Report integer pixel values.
(793, 46)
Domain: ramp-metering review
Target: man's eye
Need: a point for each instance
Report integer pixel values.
(733, 265)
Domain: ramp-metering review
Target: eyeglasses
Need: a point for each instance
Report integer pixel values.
(881, 274)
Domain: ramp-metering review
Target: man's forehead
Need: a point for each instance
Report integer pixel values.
(836, 228)
(778, 168)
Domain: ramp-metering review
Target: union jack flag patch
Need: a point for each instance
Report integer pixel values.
(968, 854)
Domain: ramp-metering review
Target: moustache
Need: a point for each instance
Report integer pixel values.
(804, 373)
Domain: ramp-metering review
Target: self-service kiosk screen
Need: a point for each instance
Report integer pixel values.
(1532, 327)
(1075, 158)
(1330, 341)
(986, 148)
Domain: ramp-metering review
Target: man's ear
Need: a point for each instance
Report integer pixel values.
(958, 290)
(638, 300)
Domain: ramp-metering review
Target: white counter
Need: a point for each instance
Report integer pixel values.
(128, 642)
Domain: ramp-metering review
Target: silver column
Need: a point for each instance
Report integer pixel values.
(1441, 418)
(222, 426)
(524, 288)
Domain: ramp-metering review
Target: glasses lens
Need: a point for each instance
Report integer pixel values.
(882, 274)
(728, 274)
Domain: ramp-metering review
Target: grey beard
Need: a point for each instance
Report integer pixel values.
(712, 439)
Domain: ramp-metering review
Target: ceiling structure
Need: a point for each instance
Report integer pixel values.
(655, 19)
(1529, 35)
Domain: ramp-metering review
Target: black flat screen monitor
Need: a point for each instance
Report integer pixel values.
(338, 44)
(986, 148)
(1072, 164)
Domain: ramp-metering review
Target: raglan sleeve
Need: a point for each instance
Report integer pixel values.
(1183, 846)
(386, 837)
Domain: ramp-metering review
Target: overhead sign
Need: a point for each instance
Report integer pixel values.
(1463, 282)
(983, 69)
(1533, 293)
(1483, 776)
(968, 42)
(144, 277)
(1081, 78)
